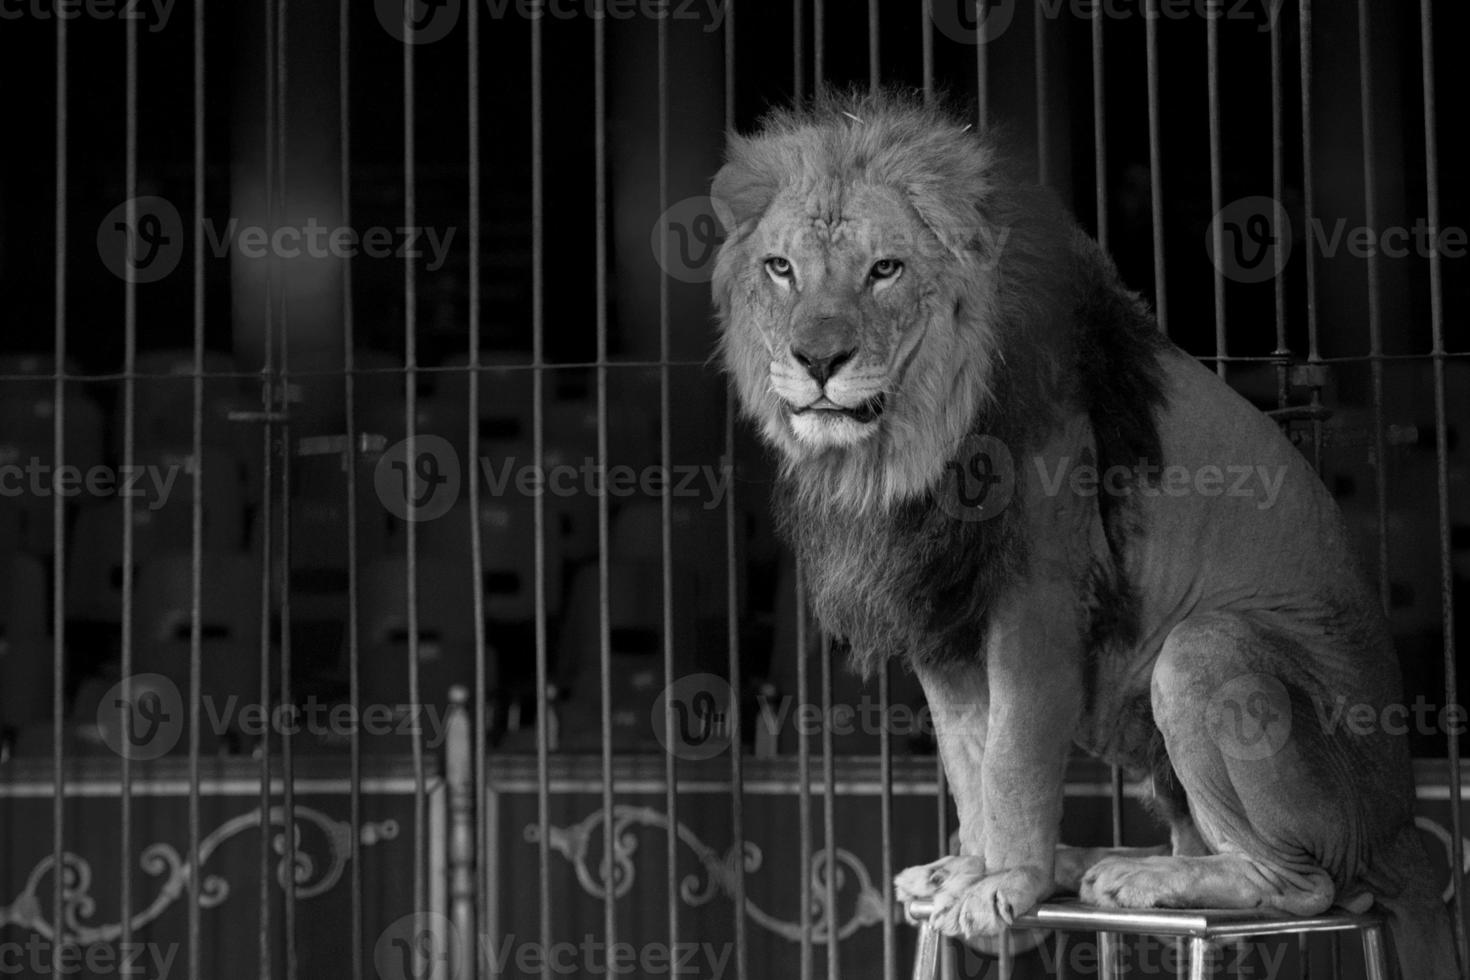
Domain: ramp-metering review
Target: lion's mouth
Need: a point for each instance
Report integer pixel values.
(863, 413)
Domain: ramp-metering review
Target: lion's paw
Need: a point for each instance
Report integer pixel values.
(1132, 883)
(968, 902)
(926, 881)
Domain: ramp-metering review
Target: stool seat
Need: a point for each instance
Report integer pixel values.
(1204, 928)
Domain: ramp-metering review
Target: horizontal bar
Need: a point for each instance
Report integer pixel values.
(1199, 923)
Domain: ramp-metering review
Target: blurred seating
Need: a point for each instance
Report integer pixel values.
(636, 642)
(25, 650)
(230, 629)
(445, 633)
(508, 553)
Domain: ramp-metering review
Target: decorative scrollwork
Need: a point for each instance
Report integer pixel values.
(574, 842)
(166, 863)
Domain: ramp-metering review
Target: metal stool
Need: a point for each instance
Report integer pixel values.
(1204, 929)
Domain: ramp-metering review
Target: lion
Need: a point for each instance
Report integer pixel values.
(996, 470)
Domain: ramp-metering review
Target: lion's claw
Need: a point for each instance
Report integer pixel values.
(968, 902)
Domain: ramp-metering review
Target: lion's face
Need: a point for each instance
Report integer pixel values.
(838, 296)
(862, 288)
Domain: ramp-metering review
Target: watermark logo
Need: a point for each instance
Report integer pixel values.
(421, 946)
(687, 237)
(973, 21)
(1255, 239)
(418, 482)
(144, 247)
(154, 14)
(1249, 717)
(142, 717)
(424, 485)
(979, 481)
(419, 21)
(700, 709)
(40, 956)
(428, 21)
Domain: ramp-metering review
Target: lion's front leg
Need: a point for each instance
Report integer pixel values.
(1007, 772)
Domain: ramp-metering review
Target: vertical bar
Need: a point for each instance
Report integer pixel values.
(1374, 954)
(885, 815)
(1375, 295)
(926, 32)
(480, 727)
(732, 595)
(599, 59)
(982, 66)
(926, 959)
(288, 774)
(1109, 955)
(130, 385)
(1156, 164)
(538, 380)
(804, 773)
(1100, 127)
(58, 504)
(666, 510)
(1278, 184)
(1043, 97)
(1309, 208)
(410, 412)
(1309, 183)
(349, 395)
(941, 797)
(1441, 459)
(196, 529)
(833, 918)
(273, 396)
(819, 48)
(1200, 951)
(1213, 12)
(798, 49)
(875, 72)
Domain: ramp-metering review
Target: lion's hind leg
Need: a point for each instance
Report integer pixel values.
(1271, 793)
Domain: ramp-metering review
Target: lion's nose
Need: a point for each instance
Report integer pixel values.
(821, 365)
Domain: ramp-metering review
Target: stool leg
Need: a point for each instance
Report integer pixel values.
(1109, 965)
(926, 960)
(1007, 958)
(1200, 949)
(1376, 965)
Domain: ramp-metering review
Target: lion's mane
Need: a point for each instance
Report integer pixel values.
(1041, 329)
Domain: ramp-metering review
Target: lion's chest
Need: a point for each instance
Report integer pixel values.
(912, 583)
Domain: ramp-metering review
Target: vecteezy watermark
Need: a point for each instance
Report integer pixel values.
(154, 13)
(980, 480)
(145, 242)
(1250, 717)
(1250, 240)
(983, 21)
(687, 237)
(38, 956)
(428, 21)
(1157, 956)
(422, 481)
(691, 717)
(421, 946)
(38, 477)
(428, 946)
(143, 718)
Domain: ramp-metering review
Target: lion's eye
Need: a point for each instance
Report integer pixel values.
(779, 266)
(886, 268)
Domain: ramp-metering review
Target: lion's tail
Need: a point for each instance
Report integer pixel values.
(1418, 921)
(1423, 941)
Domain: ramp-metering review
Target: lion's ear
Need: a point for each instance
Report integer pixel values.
(740, 195)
